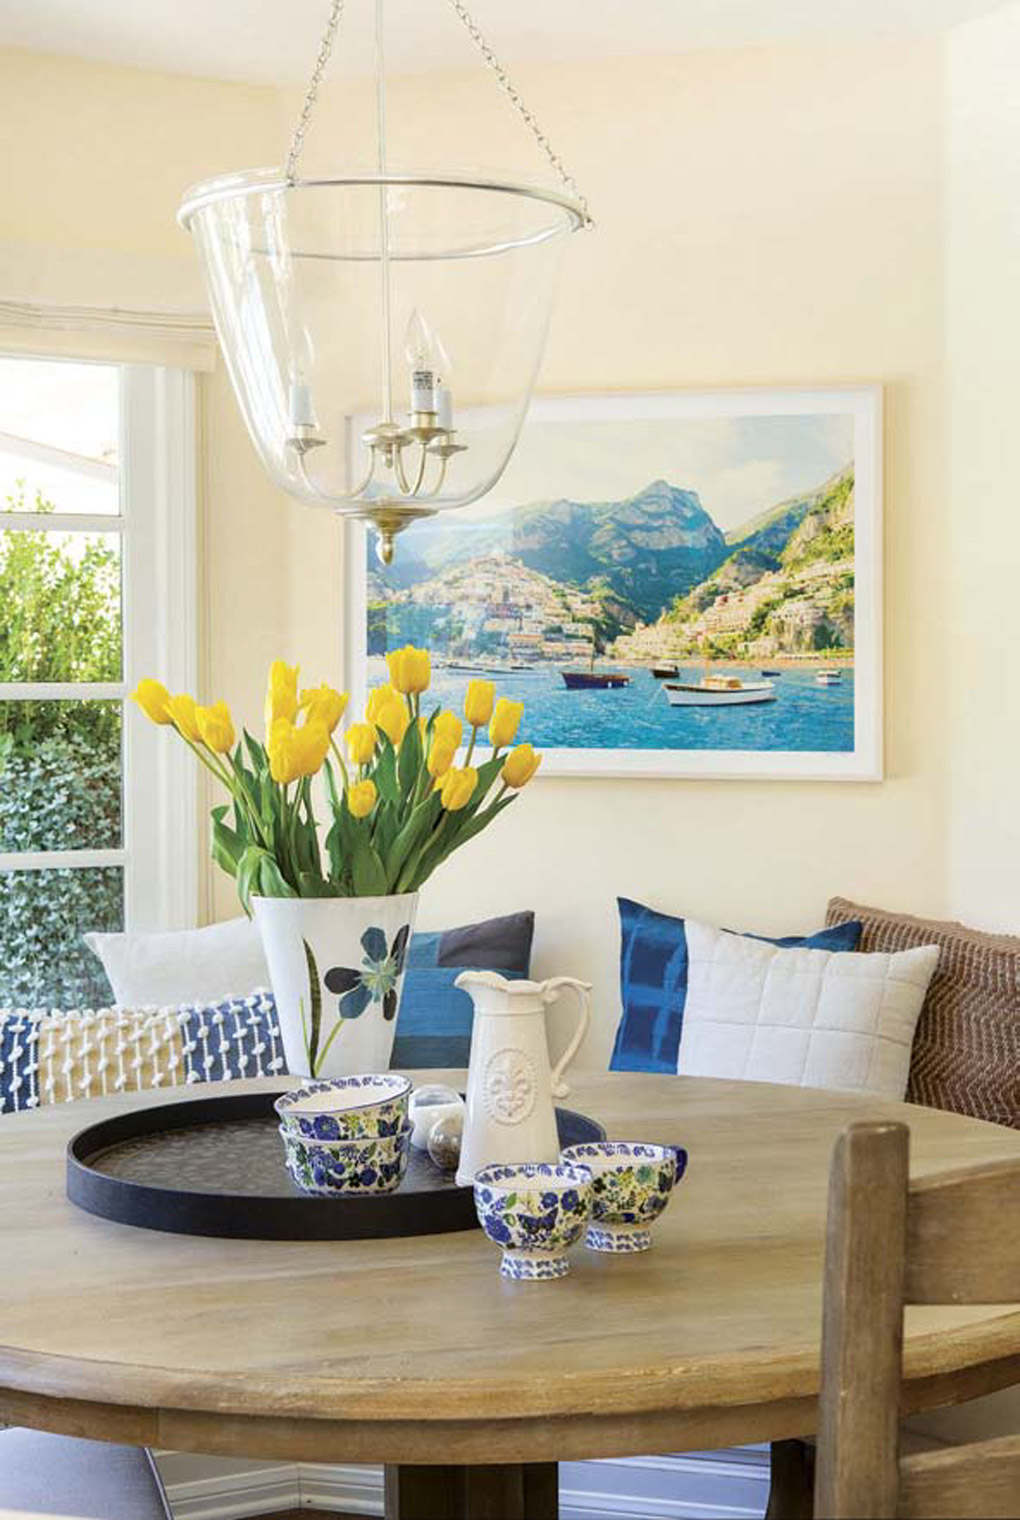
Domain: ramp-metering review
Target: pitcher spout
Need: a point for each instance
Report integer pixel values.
(490, 979)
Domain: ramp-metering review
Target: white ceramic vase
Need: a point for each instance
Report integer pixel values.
(337, 969)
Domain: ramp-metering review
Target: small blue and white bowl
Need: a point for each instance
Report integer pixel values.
(535, 1211)
(632, 1182)
(347, 1108)
(364, 1166)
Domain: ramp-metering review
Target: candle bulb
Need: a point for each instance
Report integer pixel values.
(444, 407)
(418, 349)
(423, 391)
(302, 413)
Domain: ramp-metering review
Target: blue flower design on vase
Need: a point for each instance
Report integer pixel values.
(376, 979)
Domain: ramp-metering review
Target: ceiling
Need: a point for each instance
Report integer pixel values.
(274, 41)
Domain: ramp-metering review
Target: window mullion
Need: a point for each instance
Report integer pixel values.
(62, 522)
(63, 691)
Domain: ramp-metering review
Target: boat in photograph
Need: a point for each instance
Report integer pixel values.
(770, 672)
(718, 691)
(665, 672)
(593, 680)
(828, 677)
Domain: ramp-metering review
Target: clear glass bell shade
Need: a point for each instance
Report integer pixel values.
(383, 333)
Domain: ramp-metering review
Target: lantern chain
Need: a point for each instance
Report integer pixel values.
(492, 61)
(514, 96)
(297, 142)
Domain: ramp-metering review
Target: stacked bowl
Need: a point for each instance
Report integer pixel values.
(349, 1135)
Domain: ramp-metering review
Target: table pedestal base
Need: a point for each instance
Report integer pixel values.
(792, 1495)
(522, 1491)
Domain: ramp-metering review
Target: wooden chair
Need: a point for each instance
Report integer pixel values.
(953, 1238)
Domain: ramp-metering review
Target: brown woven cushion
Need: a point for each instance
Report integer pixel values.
(966, 1053)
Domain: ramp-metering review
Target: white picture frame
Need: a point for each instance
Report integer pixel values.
(861, 404)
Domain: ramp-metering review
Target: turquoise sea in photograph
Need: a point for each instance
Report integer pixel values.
(735, 567)
(804, 716)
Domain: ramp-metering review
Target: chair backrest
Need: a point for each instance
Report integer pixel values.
(949, 1239)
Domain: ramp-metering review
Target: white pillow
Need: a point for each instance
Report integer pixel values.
(183, 966)
(809, 1018)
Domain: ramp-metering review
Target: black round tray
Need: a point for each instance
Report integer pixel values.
(215, 1166)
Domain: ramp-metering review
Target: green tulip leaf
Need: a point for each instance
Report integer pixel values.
(367, 872)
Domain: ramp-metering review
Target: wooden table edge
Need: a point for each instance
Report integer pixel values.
(482, 1438)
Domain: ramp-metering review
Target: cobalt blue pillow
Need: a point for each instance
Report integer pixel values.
(653, 982)
(434, 1022)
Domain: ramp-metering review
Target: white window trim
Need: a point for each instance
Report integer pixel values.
(158, 534)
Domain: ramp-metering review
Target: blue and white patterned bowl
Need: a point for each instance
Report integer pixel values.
(364, 1166)
(347, 1108)
(632, 1182)
(534, 1210)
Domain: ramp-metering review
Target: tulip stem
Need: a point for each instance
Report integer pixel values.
(340, 761)
(225, 778)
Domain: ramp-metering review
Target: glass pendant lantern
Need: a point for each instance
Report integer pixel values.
(383, 331)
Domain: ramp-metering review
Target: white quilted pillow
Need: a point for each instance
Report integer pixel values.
(808, 1018)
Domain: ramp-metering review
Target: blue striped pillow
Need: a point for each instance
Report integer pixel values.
(653, 982)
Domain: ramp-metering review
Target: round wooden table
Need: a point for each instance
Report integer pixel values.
(415, 1353)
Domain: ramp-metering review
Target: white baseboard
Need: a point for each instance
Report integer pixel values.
(230, 1495)
(715, 1485)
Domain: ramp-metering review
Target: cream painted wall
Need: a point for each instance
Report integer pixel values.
(768, 216)
(983, 261)
(87, 217)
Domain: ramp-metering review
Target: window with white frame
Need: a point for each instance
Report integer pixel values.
(97, 827)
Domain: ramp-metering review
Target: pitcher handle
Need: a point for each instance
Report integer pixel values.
(550, 992)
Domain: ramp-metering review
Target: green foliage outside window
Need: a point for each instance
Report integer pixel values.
(60, 764)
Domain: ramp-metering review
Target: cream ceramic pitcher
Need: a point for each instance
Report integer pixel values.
(510, 1113)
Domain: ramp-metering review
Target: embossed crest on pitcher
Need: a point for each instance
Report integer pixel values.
(510, 1086)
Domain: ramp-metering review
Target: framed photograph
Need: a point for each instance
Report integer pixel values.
(681, 584)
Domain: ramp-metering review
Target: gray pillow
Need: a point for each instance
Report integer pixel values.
(434, 1022)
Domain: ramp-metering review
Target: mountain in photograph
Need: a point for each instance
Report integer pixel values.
(786, 588)
(648, 549)
(646, 578)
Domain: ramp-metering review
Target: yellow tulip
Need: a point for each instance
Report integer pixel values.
(215, 727)
(295, 752)
(182, 713)
(312, 747)
(281, 693)
(457, 788)
(280, 749)
(446, 725)
(322, 704)
(441, 756)
(377, 698)
(478, 702)
(521, 764)
(361, 742)
(154, 700)
(393, 719)
(361, 798)
(506, 720)
(410, 669)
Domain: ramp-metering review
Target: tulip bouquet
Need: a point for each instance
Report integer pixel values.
(398, 803)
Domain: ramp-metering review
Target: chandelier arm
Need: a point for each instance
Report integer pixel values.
(423, 460)
(440, 478)
(399, 471)
(516, 100)
(297, 141)
(363, 487)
